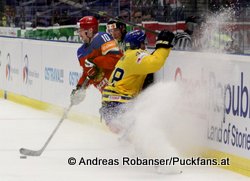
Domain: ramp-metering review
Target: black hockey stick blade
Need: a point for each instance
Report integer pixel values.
(28, 152)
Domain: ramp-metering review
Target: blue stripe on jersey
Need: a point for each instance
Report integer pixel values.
(83, 50)
(96, 43)
(100, 39)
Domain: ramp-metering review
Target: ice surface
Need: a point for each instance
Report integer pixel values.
(22, 126)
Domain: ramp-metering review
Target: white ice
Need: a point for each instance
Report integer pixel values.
(22, 126)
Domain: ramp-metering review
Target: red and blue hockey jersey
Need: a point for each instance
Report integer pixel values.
(102, 51)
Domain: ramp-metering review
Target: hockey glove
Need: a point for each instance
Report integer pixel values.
(77, 95)
(91, 69)
(164, 39)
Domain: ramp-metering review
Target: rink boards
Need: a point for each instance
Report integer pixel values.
(223, 81)
(43, 73)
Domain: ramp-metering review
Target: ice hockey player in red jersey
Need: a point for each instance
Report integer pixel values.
(97, 56)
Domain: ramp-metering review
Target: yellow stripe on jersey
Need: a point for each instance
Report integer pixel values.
(110, 95)
(130, 72)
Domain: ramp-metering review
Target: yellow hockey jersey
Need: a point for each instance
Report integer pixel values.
(127, 79)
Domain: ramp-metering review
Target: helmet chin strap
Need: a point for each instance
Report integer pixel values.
(90, 37)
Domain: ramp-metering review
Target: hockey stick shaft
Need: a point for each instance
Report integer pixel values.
(29, 152)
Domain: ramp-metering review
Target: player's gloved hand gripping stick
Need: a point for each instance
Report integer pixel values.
(78, 94)
(29, 152)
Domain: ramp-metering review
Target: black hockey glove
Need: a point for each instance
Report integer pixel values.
(164, 39)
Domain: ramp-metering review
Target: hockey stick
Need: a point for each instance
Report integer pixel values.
(29, 152)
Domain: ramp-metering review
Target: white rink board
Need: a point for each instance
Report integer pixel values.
(2, 68)
(60, 74)
(220, 75)
(46, 71)
(31, 63)
(11, 52)
(56, 59)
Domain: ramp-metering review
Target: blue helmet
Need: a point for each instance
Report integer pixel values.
(134, 39)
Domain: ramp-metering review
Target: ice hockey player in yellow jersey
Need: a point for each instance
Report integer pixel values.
(125, 84)
(127, 79)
